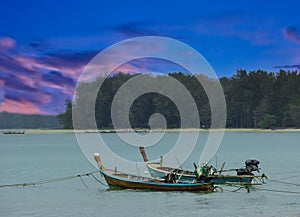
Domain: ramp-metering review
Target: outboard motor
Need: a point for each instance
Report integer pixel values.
(251, 166)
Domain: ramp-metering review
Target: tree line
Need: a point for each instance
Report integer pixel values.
(255, 99)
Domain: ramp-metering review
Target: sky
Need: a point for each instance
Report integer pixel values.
(44, 46)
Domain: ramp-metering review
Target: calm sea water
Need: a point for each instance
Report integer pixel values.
(31, 157)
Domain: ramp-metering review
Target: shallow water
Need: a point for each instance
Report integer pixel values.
(30, 157)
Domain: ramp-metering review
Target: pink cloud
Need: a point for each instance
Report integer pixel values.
(34, 83)
(39, 82)
(28, 80)
(291, 33)
(65, 89)
(33, 64)
(24, 107)
(7, 43)
(1, 90)
(35, 80)
(128, 68)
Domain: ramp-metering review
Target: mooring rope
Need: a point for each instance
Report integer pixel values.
(60, 179)
(279, 191)
(248, 187)
(282, 182)
(83, 182)
(282, 173)
(98, 180)
(40, 182)
(290, 177)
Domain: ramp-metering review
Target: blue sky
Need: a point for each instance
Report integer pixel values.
(44, 45)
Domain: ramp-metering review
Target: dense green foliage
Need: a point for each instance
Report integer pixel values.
(261, 99)
(21, 121)
(257, 99)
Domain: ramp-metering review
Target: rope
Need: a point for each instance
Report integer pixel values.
(263, 189)
(279, 191)
(246, 187)
(40, 182)
(291, 177)
(271, 174)
(99, 180)
(282, 182)
(83, 182)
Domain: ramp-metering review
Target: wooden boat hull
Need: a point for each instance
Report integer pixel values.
(225, 179)
(156, 185)
(118, 179)
(13, 132)
(159, 172)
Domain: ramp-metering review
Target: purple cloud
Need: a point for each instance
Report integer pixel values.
(139, 28)
(292, 33)
(57, 78)
(6, 43)
(134, 29)
(71, 59)
(38, 82)
(52, 92)
(297, 66)
(155, 65)
(9, 63)
(13, 82)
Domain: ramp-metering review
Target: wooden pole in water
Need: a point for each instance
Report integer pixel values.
(142, 150)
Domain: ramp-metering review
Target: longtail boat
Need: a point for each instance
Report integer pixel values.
(13, 132)
(157, 170)
(117, 179)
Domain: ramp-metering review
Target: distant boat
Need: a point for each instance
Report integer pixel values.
(13, 132)
(117, 179)
(157, 170)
